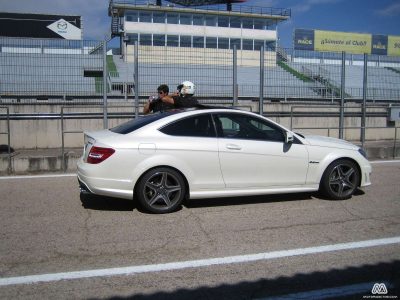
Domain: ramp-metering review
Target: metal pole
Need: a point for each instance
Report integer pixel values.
(261, 103)
(342, 91)
(105, 121)
(62, 140)
(9, 140)
(235, 91)
(365, 87)
(136, 77)
(395, 142)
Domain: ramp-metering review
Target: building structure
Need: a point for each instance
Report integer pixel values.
(180, 24)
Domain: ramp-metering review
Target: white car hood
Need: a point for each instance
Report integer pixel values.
(323, 141)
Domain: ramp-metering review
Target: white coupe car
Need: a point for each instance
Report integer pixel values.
(163, 158)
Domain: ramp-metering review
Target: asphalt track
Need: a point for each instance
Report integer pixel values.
(58, 244)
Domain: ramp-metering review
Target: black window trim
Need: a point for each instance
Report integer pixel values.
(191, 116)
(283, 130)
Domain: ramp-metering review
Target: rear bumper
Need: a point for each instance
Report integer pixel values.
(90, 182)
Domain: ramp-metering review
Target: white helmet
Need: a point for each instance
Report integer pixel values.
(187, 88)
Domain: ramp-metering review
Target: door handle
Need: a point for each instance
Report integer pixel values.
(233, 147)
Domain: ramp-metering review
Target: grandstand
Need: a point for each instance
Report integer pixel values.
(73, 69)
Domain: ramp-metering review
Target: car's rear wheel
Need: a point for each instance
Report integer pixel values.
(340, 179)
(161, 190)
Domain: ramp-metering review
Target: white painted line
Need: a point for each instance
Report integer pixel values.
(37, 176)
(331, 293)
(384, 161)
(195, 263)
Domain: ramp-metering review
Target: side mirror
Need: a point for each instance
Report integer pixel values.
(289, 138)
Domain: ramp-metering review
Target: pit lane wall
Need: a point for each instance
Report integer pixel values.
(39, 126)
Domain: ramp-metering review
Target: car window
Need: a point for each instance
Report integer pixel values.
(196, 126)
(241, 126)
(139, 122)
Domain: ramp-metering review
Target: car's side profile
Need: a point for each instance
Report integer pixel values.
(204, 153)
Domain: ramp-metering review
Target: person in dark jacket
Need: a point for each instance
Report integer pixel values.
(155, 103)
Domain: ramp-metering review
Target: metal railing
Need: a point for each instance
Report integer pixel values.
(98, 115)
(360, 128)
(8, 133)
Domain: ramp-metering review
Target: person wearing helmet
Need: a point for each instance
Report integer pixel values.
(155, 104)
(183, 98)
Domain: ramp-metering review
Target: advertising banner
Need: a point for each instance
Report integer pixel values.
(40, 26)
(356, 43)
(394, 45)
(304, 39)
(379, 44)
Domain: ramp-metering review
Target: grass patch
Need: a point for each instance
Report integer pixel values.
(295, 73)
(393, 69)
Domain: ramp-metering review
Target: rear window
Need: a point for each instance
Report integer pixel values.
(139, 122)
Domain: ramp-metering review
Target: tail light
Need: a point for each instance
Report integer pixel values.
(99, 154)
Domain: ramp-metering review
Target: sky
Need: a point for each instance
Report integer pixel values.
(362, 16)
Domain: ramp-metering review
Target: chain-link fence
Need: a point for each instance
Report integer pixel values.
(46, 69)
(59, 70)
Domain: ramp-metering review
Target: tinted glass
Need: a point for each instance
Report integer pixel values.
(223, 21)
(145, 17)
(186, 19)
(145, 39)
(132, 17)
(258, 24)
(223, 43)
(186, 41)
(258, 44)
(247, 44)
(198, 20)
(240, 126)
(132, 37)
(247, 23)
(173, 40)
(172, 18)
(159, 40)
(211, 42)
(135, 124)
(198, 42)
(159, 17)
(196, 126)
(211, 21)
(235, 42)
(235, 22)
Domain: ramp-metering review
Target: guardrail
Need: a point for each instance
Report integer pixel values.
(8, 136)
(99, 115)
(356, 127)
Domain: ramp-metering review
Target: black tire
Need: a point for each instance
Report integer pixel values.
(340, 179)
(161, 190)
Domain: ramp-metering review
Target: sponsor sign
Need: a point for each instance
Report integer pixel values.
(341, 41)
(40, 26)
(356, 43)
(65, 29)
(379, 44)
(304, 39)
(394, 45)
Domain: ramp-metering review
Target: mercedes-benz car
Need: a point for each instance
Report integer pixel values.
(161, 159)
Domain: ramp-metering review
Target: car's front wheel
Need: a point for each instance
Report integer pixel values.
(161, 190)
(340, 179)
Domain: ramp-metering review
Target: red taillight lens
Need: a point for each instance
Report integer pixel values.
(99, 154)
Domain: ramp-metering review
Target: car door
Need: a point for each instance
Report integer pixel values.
(193, 142)
(253, 153)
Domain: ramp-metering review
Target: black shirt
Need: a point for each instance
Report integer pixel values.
(158, 105)
(185, 102)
